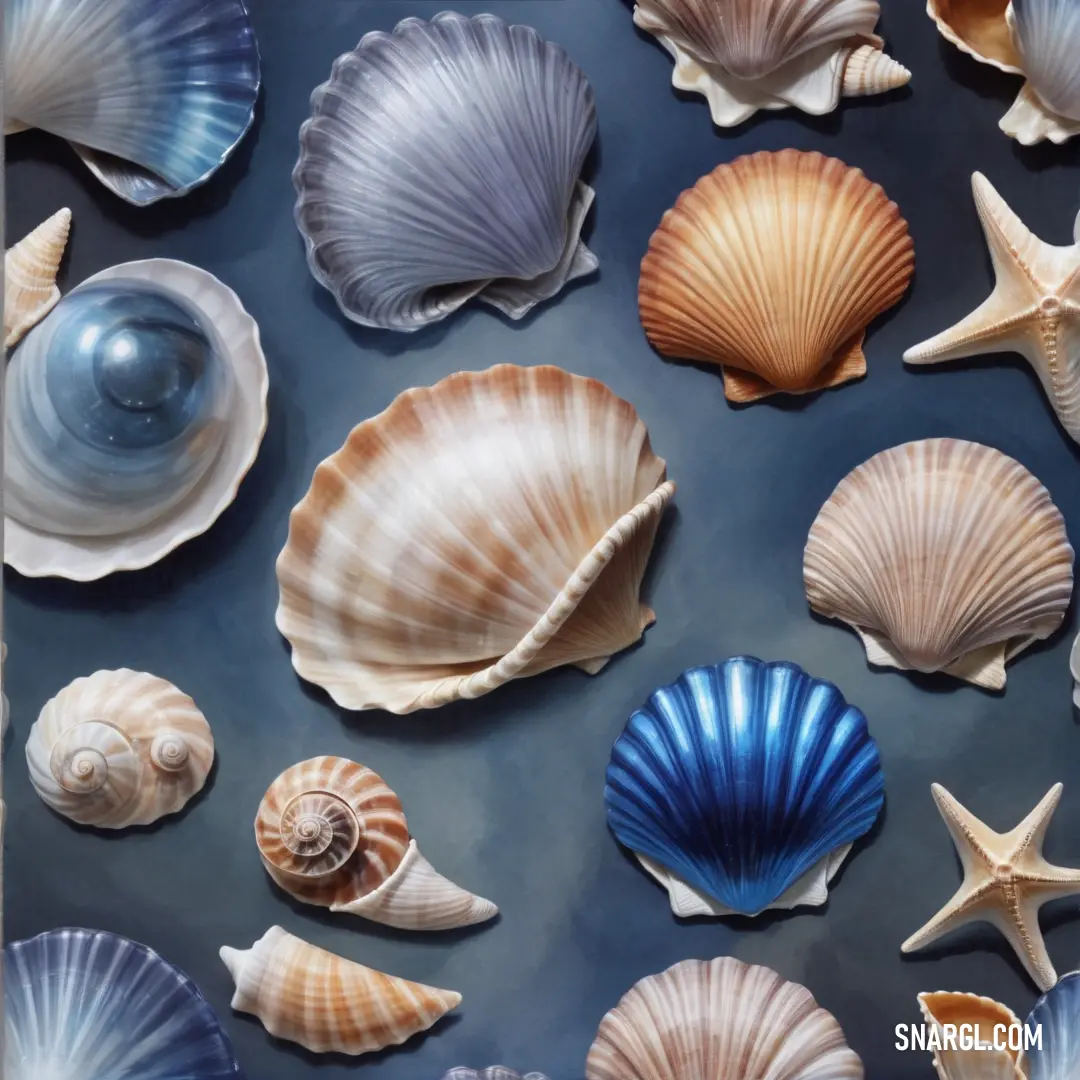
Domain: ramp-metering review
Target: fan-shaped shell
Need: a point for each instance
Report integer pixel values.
(724, 1020)
(742, 786)
(979, 1019)
(327, 1003)
(1047, 37)
(153, 97)
(84, 1003)
(119, 748)
(30, 270)
(773, 266)
(489, 527)
(943, 555)
(441, 162)
(1057, 1015)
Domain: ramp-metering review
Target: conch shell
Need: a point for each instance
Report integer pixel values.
(30, 270)
(943, 555)
(326, 1003)
(490, 527)
(941, 1009)
(332, 833)
(119, 748)
(773, 266)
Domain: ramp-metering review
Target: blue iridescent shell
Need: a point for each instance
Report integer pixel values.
(742, 786)
(1057, 1014)
(85, 1003)
(153, 95)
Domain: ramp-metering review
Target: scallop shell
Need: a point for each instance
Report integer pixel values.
(30, 270)
(153, 97)
(112, 473)
(742, 786)
(981, 1015)
(746, 55)
(331, 832)
(487, 528)
(326, 1003)
(84, 1003)
(495, 1072)
(1057, 1015)
(773, 266)
(442, 162)
(119, 748)
(943, 555)
(720, 1019)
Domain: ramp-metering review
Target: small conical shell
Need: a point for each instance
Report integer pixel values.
(30, 270)
(327, 1003)
(869, 71)
(773, 266)
(989, 1018)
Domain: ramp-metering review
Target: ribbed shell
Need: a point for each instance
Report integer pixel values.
(1047, 37)
(720, 1020)
(943, 555)
(30, 269)
(869, 71)
(119, 748)
(441, 162)
(489, 527)
(1057, 1014)
(942, 1008)
(773, 266)
(327, 1003)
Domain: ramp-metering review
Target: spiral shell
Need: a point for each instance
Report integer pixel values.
(119, 748)
(942, 1009)
(30, 270)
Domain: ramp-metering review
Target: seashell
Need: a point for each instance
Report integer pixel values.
(942, 555)
(720, 1018)
(326, 1003)
(742, 786)
(153, 97)
(119, 748)
(85, 1003)
(1074, 669)
(1056, 1015)
(442, 162)
(331, 832)
(133, 412)
(773, 266)
(490, 527)
(30, 270)
(495, 1072)
(746, 55)
(5, 709)
(982, 1016)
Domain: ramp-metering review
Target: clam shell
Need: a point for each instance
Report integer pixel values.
(773, 266)
(30, 270)
(742, 786)
(720, 1018)
(487, 528)
(119, 748)
(943, 555)
(442, 162)
(941, 1008)
(84, 1003)
(326, 1003)
(153, 97)
(1057, 1014)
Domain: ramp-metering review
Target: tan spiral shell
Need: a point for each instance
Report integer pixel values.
(30, 269)
(119, 748)
(773, 266)
(942, 1008)
(943, 555)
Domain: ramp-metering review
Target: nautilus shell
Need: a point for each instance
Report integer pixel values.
(490, 527)
(746, 55)
(724, 1020)
(88, 1004)
(773, 266)
(442, 162)
(495, 1072)
(133, 412)
(742, 787)
(943, 555)
(943, 1010)
(30, 270)
(153, 97)
(119, 748)
(326, 1003)
(1057, 1015)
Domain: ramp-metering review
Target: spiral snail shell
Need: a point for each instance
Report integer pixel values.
(332, 833)
(119, 748)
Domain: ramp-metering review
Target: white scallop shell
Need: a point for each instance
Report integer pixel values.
(119, 748)
(30, 269)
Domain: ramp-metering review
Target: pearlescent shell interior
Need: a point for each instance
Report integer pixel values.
(720, 1019)
(943, 555)
(773, 266)
(489, 527)
(942, 1009)
(977, 27)
(1057, 1014)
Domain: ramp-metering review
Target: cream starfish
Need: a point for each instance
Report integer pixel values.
(1006, 881)
(1034, 309)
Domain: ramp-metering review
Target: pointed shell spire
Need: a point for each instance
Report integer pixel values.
(30, 270)
(869, 71)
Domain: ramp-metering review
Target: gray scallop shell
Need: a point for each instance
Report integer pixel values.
(442, 162)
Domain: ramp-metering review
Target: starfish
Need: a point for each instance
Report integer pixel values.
(1006, 881)
(1034, 309)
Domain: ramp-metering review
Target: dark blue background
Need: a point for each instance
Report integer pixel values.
(505, 793)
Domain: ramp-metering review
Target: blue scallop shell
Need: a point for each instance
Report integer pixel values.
(743, 778)
(1057, 1013)
(1047, 35)
(85, 1003)
(154, 95)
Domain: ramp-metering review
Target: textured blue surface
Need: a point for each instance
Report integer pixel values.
(1057, 1013)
